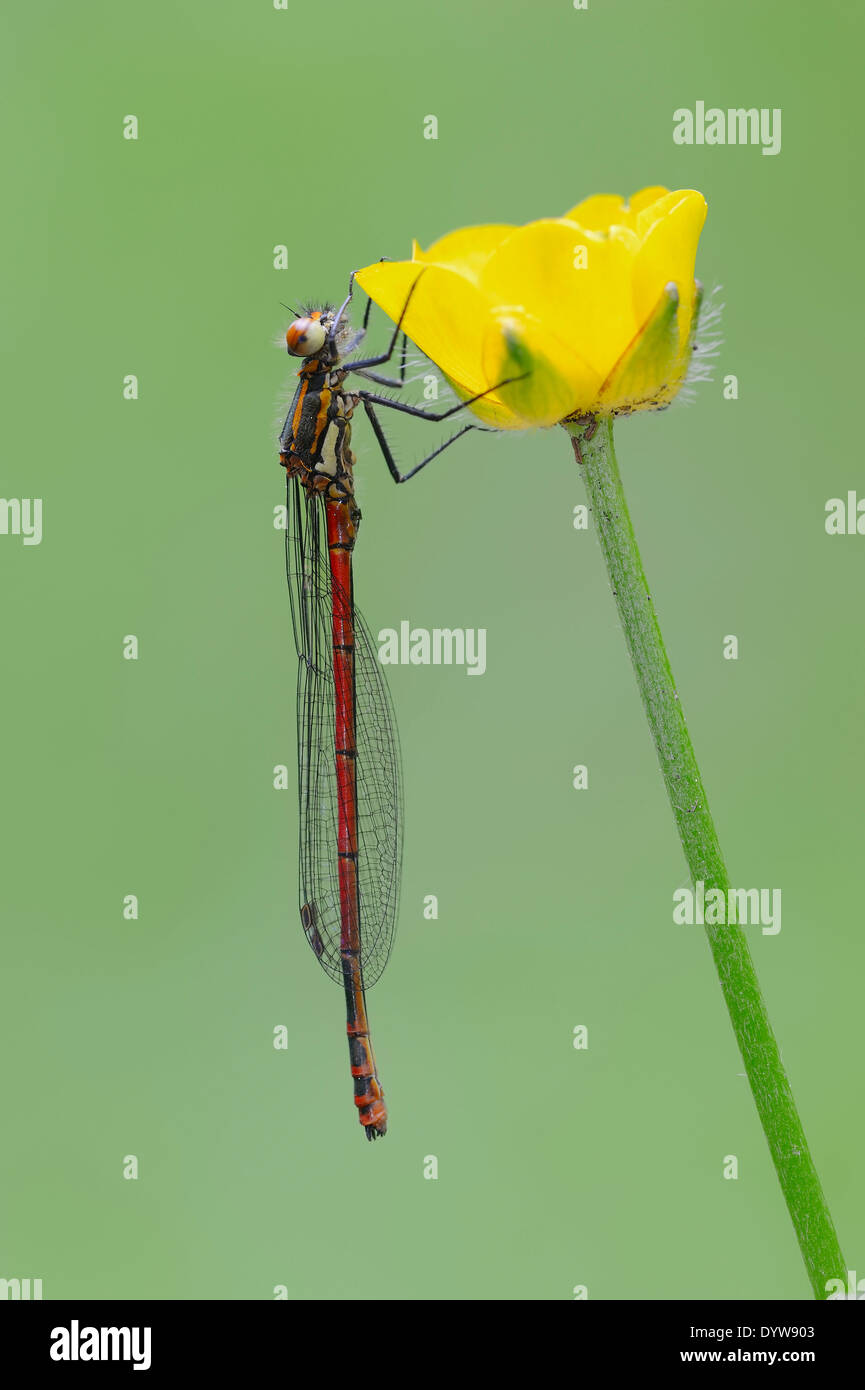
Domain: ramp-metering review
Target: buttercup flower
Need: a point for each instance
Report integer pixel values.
(575, 320)
(593, 311)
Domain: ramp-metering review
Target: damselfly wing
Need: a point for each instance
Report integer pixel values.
(378, 774)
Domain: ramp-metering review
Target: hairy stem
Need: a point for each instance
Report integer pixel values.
(593, 445)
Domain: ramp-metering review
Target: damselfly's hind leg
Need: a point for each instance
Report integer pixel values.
(370, 401)
(387, 454)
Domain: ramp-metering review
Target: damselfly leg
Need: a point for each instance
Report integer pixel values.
(387, 453)
(370, 400)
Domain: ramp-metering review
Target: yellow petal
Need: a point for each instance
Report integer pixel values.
(446, 316)
(466, 250)
(659, 208)
(605, 210)
(671, 228)
(493, 411)
(551, 379)
(591, 309)
(599, 213)
(638, 202)
(388, 283)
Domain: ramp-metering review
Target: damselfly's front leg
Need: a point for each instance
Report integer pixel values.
(366, 362)
(396, 382)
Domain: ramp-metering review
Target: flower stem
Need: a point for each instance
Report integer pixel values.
(592, 439)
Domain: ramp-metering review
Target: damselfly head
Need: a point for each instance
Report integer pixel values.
(307, 336)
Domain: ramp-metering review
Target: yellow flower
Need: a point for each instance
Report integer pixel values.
(594, 311)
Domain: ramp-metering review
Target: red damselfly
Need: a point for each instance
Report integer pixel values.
(348, 751)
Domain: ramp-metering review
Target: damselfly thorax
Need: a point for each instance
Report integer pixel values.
(315, 445)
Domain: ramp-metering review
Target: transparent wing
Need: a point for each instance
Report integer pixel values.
(379, 779)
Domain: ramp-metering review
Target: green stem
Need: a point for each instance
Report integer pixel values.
(593, 445)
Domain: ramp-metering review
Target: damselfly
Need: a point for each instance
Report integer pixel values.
(348, 752)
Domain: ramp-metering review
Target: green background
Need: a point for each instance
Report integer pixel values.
(154, 1038)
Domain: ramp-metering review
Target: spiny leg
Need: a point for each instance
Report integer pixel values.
(386, 356)
(368, 299)
(436, 415)
(361, 332)
(343, 306)
(393, 466)
(396, 383)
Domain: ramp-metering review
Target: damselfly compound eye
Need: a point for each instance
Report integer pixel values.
(305, 337)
